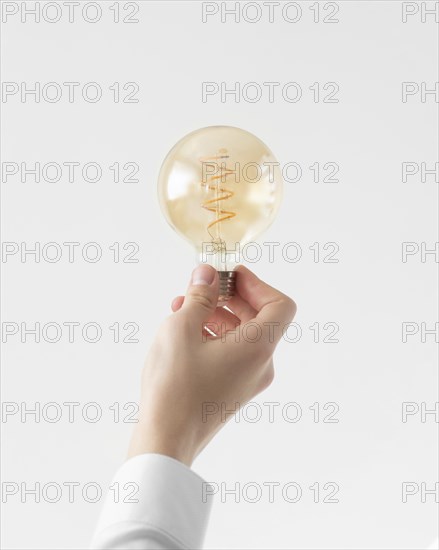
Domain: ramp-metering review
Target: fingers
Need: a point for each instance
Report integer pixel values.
(236, 305)
(274, 309)
(255, 303)
(242, 309)
(222, 321)
(176, 303)
(219, 322)
(202, 295)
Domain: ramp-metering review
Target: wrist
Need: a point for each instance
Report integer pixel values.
(145, 440)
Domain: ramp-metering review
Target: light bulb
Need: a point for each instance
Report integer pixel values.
(220, 187)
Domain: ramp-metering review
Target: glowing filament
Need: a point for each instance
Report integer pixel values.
(222, 194)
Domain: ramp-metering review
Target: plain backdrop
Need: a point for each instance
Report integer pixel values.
(367, 295)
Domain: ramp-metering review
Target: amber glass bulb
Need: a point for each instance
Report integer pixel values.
(220, 187)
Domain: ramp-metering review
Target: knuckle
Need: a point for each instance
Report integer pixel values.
(203, 300)
(267, 377)
(260, 352)
(290, 306)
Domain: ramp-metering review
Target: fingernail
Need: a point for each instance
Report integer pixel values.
(203, 275)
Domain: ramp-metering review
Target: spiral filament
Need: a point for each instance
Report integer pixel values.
(217, 173)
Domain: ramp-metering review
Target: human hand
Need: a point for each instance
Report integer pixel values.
(188, 371)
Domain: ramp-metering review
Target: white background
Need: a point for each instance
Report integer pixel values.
(369, 292)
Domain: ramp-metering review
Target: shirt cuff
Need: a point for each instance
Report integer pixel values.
(169, 507)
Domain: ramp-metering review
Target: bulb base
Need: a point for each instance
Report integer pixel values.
(227, 283)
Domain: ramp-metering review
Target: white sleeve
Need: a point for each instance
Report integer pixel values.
(170, 512)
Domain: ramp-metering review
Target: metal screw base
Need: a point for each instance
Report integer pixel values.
(227, 282)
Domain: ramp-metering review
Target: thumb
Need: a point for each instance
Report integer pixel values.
(202, 295)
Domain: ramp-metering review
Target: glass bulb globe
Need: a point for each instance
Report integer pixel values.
(220, 187)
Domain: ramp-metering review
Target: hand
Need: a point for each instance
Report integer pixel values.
(191, 378)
